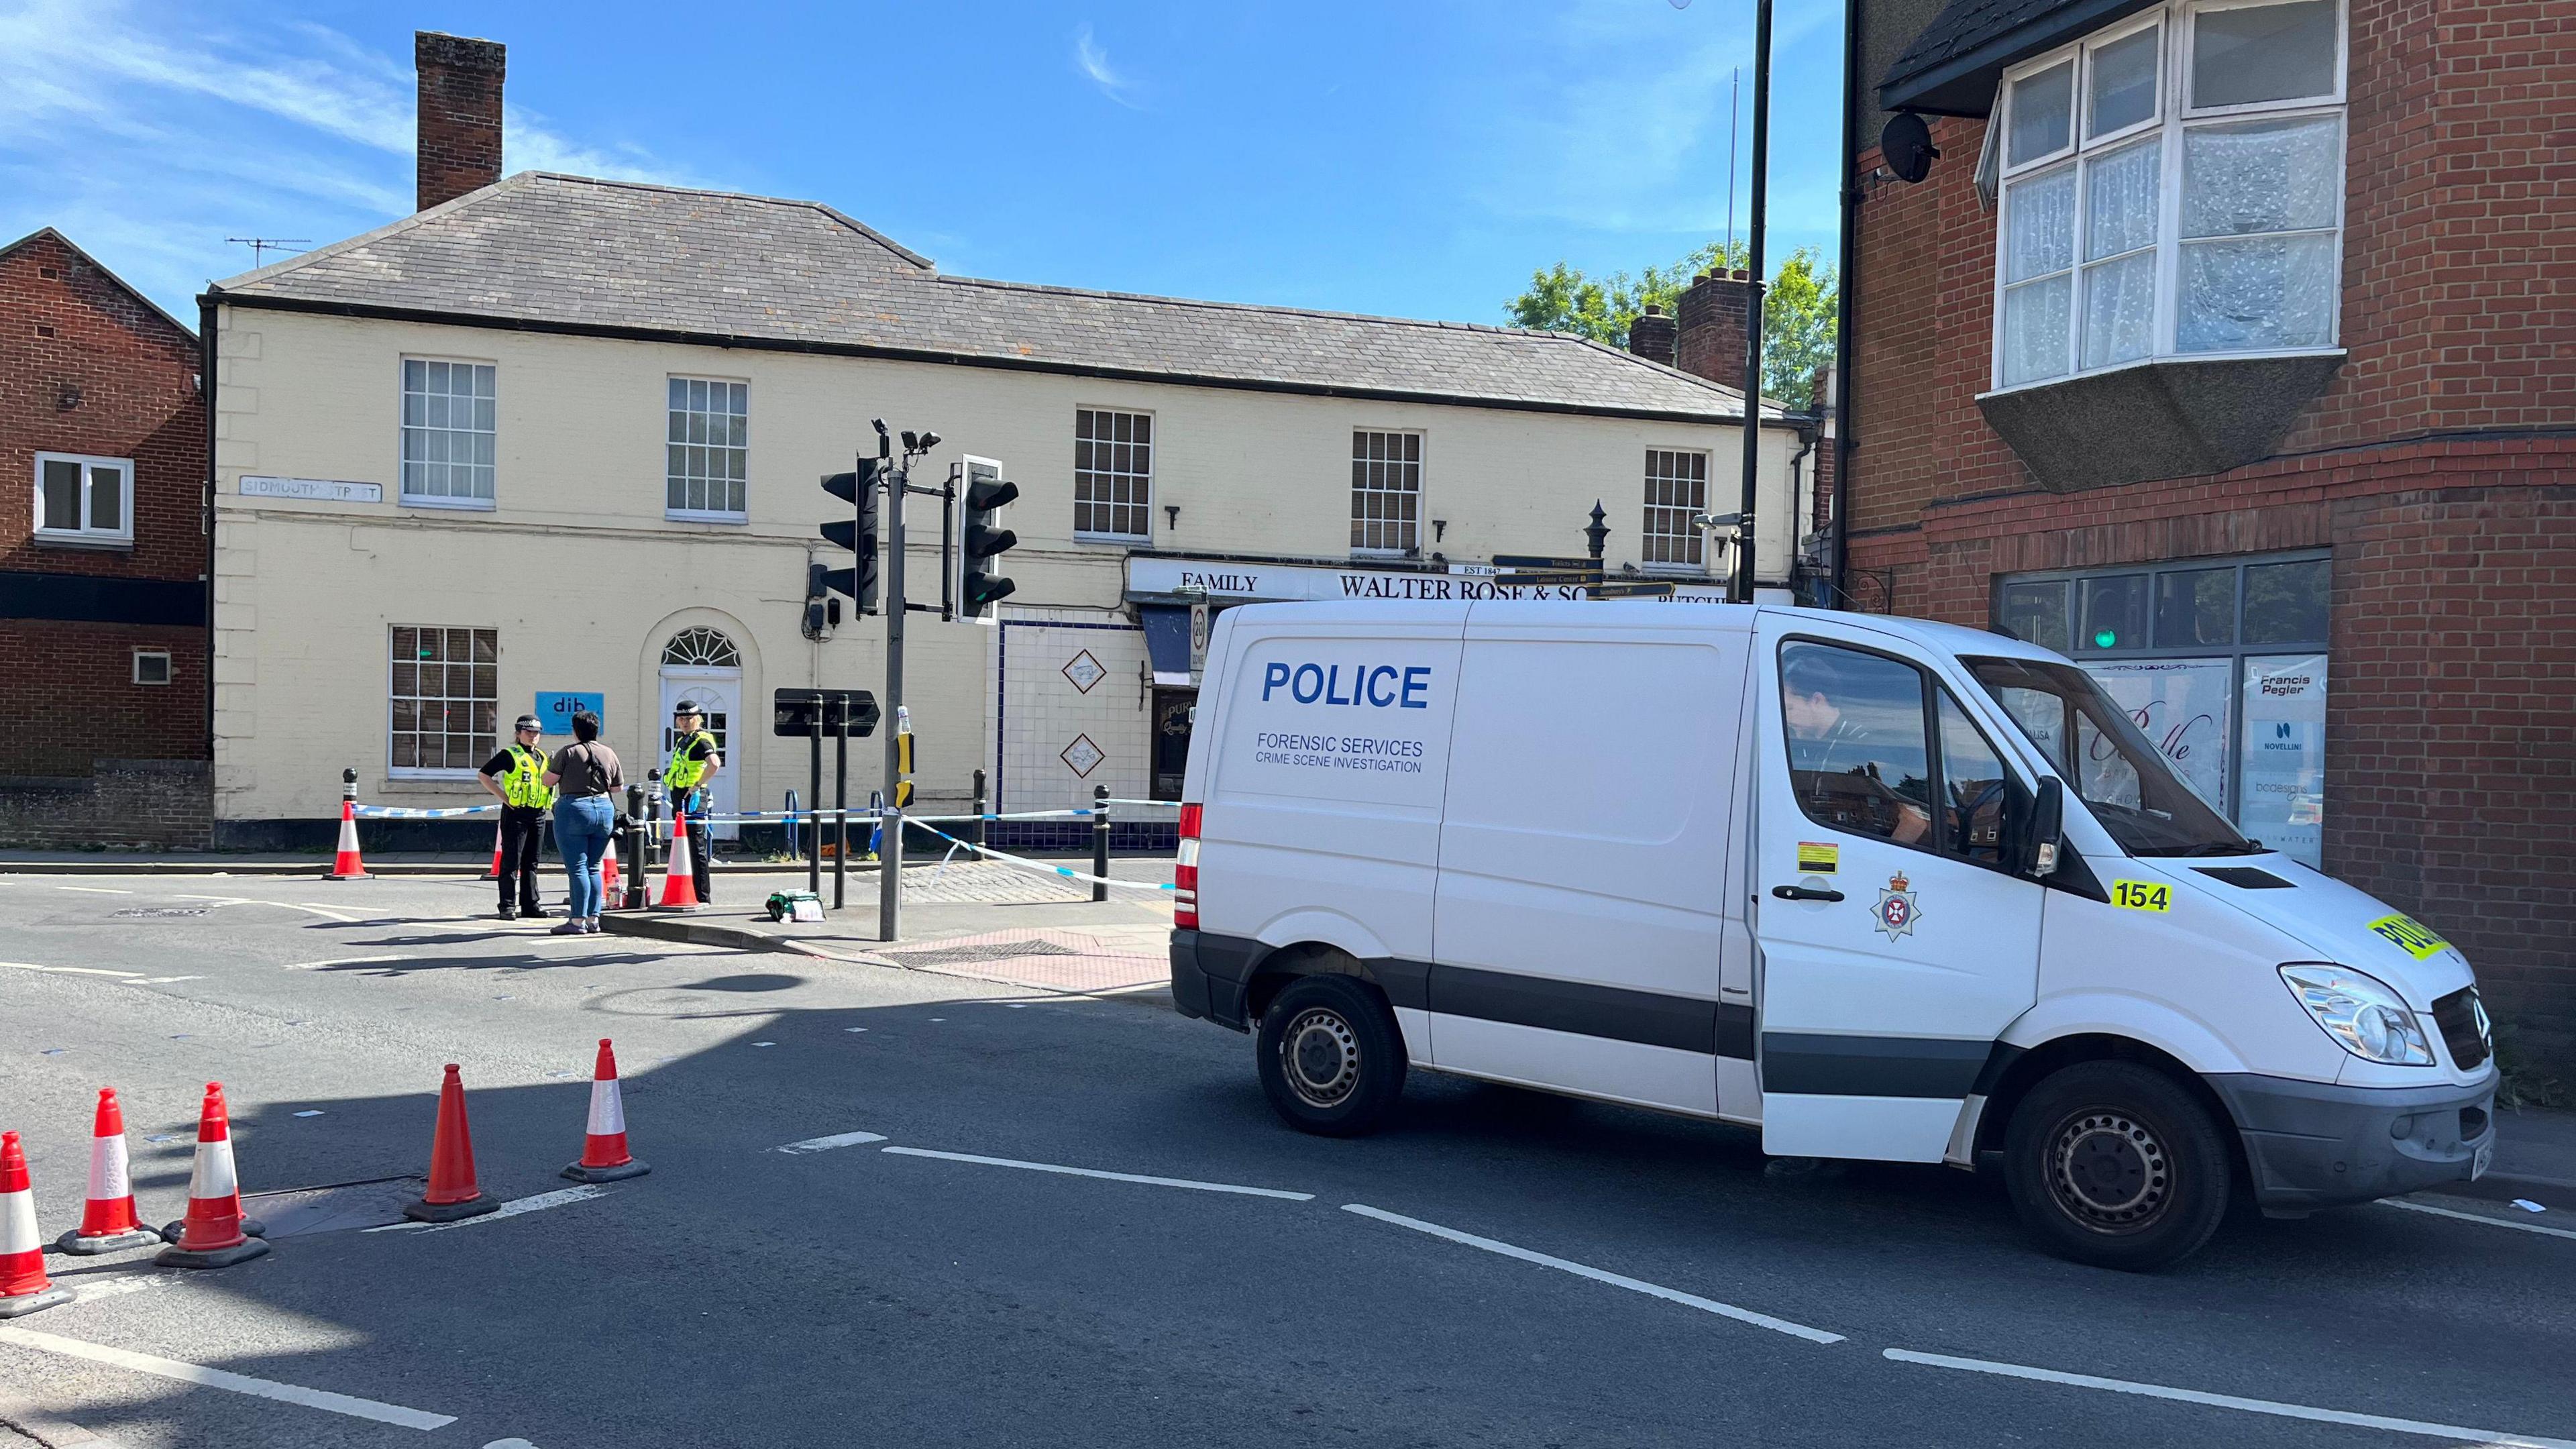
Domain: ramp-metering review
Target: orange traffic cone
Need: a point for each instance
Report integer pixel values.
(679, 873)
(452, 1193)
(24, 1288)
(213, 1234)
(493, 871)
(346, 865)
(612, 888)
(604, 1157)
(108, 1221)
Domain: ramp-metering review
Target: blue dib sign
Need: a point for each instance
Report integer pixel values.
(557, 707)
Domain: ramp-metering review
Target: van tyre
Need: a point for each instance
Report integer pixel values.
(1331, 1057)
(2115, 1164)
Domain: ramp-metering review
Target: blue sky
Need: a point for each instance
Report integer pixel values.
(1409, 157)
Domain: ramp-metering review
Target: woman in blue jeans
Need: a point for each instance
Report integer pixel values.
(586, 776)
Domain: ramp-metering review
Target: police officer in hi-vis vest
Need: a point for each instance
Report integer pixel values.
(694, 762)
(518, 776)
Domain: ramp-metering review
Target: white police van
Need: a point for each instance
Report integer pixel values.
(1887, 889)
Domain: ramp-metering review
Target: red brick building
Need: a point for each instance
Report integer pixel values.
(2230, 347)
(103, 558)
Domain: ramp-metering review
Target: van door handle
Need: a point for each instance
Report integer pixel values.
(1804, 893)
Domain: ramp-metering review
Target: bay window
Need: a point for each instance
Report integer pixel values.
(2172, 187)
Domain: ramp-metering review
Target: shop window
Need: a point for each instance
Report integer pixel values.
(1113, 474)
(2172, 186)
(2221, 663)
(445, 699)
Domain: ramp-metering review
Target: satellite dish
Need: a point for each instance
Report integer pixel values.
(1907, 145)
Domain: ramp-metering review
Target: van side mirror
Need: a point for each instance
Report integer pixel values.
(2037, 847)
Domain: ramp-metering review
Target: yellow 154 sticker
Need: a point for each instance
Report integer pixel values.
(2409, 935)
(2142, 895)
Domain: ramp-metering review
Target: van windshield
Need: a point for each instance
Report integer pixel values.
(2101, 755)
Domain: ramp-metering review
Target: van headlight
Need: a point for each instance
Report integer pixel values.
(2360, 1012)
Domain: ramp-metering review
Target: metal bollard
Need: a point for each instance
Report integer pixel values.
(975, 827)
(1100, 841)
(639, 851)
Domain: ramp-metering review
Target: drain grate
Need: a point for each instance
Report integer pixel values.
(165, 911)
(981, 951)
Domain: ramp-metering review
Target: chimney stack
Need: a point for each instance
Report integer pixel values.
(1651, 336)
(460, 114)
(1710, 343)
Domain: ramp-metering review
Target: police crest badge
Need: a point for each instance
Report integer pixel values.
(1897, 908)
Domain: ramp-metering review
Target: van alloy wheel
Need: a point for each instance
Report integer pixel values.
(2109, 1171)
(1321, 1057)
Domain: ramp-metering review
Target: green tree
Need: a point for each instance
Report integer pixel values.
(1797, 309)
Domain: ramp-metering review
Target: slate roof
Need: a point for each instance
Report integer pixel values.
(1952, 66)
(575, 253)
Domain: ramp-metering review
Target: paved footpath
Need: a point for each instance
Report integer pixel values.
(902, 1207)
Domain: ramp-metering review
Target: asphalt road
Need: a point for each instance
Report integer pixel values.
(1500, 1268)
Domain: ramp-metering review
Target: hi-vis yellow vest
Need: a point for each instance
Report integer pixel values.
(684, 772)
(525, 785)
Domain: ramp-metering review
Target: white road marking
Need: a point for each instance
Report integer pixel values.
(826, 1144)
(189, 1373)
(345, 961)
(2489, 1438)
(88, 1292)
(1615, 1280)
(511, 1209)
(96, 890)
(71, 970)
(1105, 1176)
(2417, 1207)
(161, 980)
(324, 911)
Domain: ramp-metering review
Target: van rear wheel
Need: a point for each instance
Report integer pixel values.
(2115, 1164)
(1331, 1058)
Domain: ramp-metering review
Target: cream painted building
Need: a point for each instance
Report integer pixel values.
(560, 438)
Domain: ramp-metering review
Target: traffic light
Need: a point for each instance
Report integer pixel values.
(981, 541)
(857, 534)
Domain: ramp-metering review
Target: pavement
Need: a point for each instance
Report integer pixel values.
(904, 1206)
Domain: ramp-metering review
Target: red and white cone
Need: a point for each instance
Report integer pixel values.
(24, 1288)
(452, 1193)
(346, 865)
(612, 887)
(679, 872)
(493, 871)
(214, 1233)
(108, 1220)
(604, 1157)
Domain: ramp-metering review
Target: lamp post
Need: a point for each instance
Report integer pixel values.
(1739, 587)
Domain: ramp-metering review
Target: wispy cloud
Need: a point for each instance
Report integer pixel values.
(291, 129)
(1093, 62)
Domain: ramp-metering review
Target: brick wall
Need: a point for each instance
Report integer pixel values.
(88, 367)
(1709, 322)
(2439, 466)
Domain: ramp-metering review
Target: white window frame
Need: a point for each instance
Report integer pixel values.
(706, 515)
(1691, 540)
(402, 474)
(1151, 446)
(2173, 119)
(166, 672)
(1421, 476)
(420, 772)
(122, 537)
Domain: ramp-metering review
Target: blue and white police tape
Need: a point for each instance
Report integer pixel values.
(1039, 865)
(399, 812)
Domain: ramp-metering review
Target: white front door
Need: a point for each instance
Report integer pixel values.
(1895, 945)
(719, 693)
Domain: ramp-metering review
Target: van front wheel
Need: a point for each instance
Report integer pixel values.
(1332, 1060)
(2116, 1165)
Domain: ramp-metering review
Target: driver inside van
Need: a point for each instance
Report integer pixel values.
(1855, 719)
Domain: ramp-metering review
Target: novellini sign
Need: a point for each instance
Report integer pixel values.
(1222, 581)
